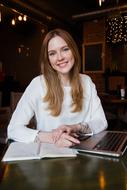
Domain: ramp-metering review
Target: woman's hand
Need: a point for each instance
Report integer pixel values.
(69, 129)
(76, 132)
(58, 137)
(56, 134)
(66, 140)
(66, 131)
(75, 129)
(66, 135)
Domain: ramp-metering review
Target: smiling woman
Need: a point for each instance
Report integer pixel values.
(64, 102)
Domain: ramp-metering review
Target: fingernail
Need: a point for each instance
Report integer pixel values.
(78, 141)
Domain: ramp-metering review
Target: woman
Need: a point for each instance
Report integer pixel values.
(63, 101)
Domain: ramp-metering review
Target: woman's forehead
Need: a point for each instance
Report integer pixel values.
(56, 41)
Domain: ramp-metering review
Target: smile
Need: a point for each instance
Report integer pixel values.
(62, 64)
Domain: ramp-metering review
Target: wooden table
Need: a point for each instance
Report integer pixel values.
(85, 172)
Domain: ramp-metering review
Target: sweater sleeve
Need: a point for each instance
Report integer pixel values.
(17, 128)
(97, 120)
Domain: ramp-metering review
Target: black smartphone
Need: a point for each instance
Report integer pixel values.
(83, 136)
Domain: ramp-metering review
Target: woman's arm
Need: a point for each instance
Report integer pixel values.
(25, 109)
(17, 128)
(97, 120)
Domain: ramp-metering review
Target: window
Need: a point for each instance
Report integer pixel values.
(93, 57)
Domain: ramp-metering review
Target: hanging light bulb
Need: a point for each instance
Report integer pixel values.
(25, 18)
(0, 16)
(100, 2)
(20, 18)
(13, 22)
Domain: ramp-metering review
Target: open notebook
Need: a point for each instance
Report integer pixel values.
(111, 143)
(29, 151)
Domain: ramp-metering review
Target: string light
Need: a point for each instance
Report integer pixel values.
(116, 29)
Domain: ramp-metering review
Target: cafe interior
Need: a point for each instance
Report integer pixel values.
(100, 30)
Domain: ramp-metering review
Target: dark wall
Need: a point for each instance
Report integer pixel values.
(19, 50)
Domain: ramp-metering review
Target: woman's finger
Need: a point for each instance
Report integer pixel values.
(70, 138)
(66, 128)
(64, 143)
(56, 134)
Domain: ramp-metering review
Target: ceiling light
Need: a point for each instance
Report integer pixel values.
(100, 2)
(20, 18)
(0, 16)
(25, 18)
(13, 22)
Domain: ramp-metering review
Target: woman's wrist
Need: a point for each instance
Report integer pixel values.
(81, 127)
(84, 128)
(44, 137)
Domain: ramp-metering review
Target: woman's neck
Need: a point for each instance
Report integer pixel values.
(64, 80)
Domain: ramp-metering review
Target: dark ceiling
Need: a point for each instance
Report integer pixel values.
(69, 14)
(65, 12)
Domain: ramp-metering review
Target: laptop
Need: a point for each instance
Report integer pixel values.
(110, 143)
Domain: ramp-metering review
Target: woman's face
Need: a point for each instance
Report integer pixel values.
(60, 55)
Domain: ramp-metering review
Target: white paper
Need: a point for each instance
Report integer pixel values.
(21, 151)
(51, 150)
(28, 151)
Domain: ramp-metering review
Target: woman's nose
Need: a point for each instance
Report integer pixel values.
(59, 56)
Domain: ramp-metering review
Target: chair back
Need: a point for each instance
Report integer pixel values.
(15, 97)
(0, 98)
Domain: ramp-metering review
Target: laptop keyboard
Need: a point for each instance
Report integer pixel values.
(111, 141)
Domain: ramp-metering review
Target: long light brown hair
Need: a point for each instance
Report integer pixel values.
(55, 93)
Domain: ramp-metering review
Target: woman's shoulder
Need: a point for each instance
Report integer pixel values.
(85, 78)
(37, 80)
(35, 88)
(37, 83)
(87, 83)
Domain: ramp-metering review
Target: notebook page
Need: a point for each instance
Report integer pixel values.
(51, 150)
(21, 151)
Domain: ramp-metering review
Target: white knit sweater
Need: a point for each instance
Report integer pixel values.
(31, 103)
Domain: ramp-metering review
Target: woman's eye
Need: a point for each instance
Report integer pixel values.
(66, 49)
(51, 53)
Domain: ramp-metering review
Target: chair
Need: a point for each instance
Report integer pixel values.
(15, 97)
(0, 98)
(4, 120)
(4, 112)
